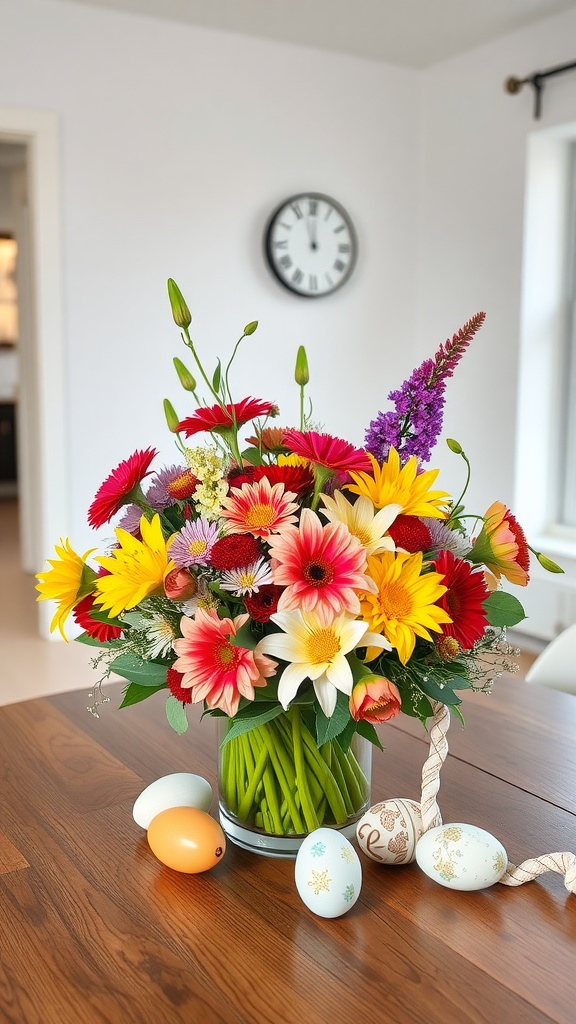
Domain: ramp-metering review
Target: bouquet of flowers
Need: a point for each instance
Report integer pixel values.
(298, 587)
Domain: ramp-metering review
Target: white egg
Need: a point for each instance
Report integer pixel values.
(461, 856)
(388, 832)
(179, 790)
(328, 873)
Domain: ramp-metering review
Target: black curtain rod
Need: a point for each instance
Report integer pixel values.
(536, 80)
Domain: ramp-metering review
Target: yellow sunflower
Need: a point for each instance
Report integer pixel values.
(391, 484)
(68, 582)
(404, 605)
(135, 570)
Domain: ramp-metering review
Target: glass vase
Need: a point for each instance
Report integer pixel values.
(276, 785)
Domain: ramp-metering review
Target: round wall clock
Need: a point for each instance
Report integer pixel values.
(310, 244)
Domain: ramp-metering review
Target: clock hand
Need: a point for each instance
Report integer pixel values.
(312, 224)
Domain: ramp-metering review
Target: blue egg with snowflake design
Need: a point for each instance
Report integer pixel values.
(328, 873)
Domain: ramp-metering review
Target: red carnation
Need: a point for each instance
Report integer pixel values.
(262, 605)
(235, 551)
(220, 419)
(173, 682)
(410, 534)
(117, 488)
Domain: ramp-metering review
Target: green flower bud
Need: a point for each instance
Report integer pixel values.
(185, 377)
(454, 446)
(301, 374)
(172, 418)
(251, 327)
(180, 311)
(547, 563)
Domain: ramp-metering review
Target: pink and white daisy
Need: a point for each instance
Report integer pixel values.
(193, 544)
(321, 567)
(247, 580)
(216, 670)
(259, 508)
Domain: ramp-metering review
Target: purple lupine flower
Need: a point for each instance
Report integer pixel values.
(415, 425)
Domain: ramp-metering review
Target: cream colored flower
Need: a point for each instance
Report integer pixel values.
(362, 520)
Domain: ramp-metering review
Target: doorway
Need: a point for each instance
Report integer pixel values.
(32, 373)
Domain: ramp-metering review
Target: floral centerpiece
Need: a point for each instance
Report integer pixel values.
(299, 588)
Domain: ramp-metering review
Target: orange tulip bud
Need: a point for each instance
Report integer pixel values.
(180, 585)
(374, 699)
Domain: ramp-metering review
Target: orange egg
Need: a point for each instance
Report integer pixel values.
(186, 839)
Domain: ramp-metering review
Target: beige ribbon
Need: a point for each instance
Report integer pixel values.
(563, 863)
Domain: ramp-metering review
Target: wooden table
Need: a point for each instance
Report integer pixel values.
(94, 929)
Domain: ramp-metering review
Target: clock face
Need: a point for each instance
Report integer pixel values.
(311, 244)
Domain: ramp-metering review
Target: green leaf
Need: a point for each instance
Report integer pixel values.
(328, 728)
(252, 455)
(217, 376)
(244, 637)
(103, 617)
(367, 730)
(433, 689)
(91, 641)
(247, 722)
(503, 609)
(176, 714)
(136, 670)
(134, 693)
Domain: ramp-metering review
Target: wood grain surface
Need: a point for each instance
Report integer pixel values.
(94, 929)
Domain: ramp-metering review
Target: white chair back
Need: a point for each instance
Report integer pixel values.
(555, 667)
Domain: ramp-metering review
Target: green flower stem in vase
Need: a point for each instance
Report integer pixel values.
(276, 785)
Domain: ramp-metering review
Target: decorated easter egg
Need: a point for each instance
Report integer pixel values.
(186, 839)
(179, 790)
(461, 856)
(328, 873)
(388, 832)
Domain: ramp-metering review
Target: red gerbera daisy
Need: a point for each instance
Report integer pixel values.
(219, 419)
(410, 534)
(117, 489)
(174, 684)
(99, 630)
(463, 600)
(298, 479)
(328, 451)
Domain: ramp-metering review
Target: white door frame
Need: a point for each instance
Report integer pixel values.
(43, 470)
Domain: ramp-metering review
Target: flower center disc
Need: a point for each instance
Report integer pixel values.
(394, 602)
(323, 645)
(318, 573)
(225, 654)
(259, 515)
(197, 547)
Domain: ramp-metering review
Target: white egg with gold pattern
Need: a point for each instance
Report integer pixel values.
(461, 856)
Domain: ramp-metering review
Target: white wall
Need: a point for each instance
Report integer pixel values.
(471, 248)
(177, 143)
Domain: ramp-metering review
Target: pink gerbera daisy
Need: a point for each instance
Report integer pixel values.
(121, 487)
(216, 670)
(328, 451)
(259, 508)
(220, 418)
(322, 567)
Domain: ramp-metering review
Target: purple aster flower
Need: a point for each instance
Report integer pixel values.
(193, 544)
(158, 495)
(416, 424)
(130, 521)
